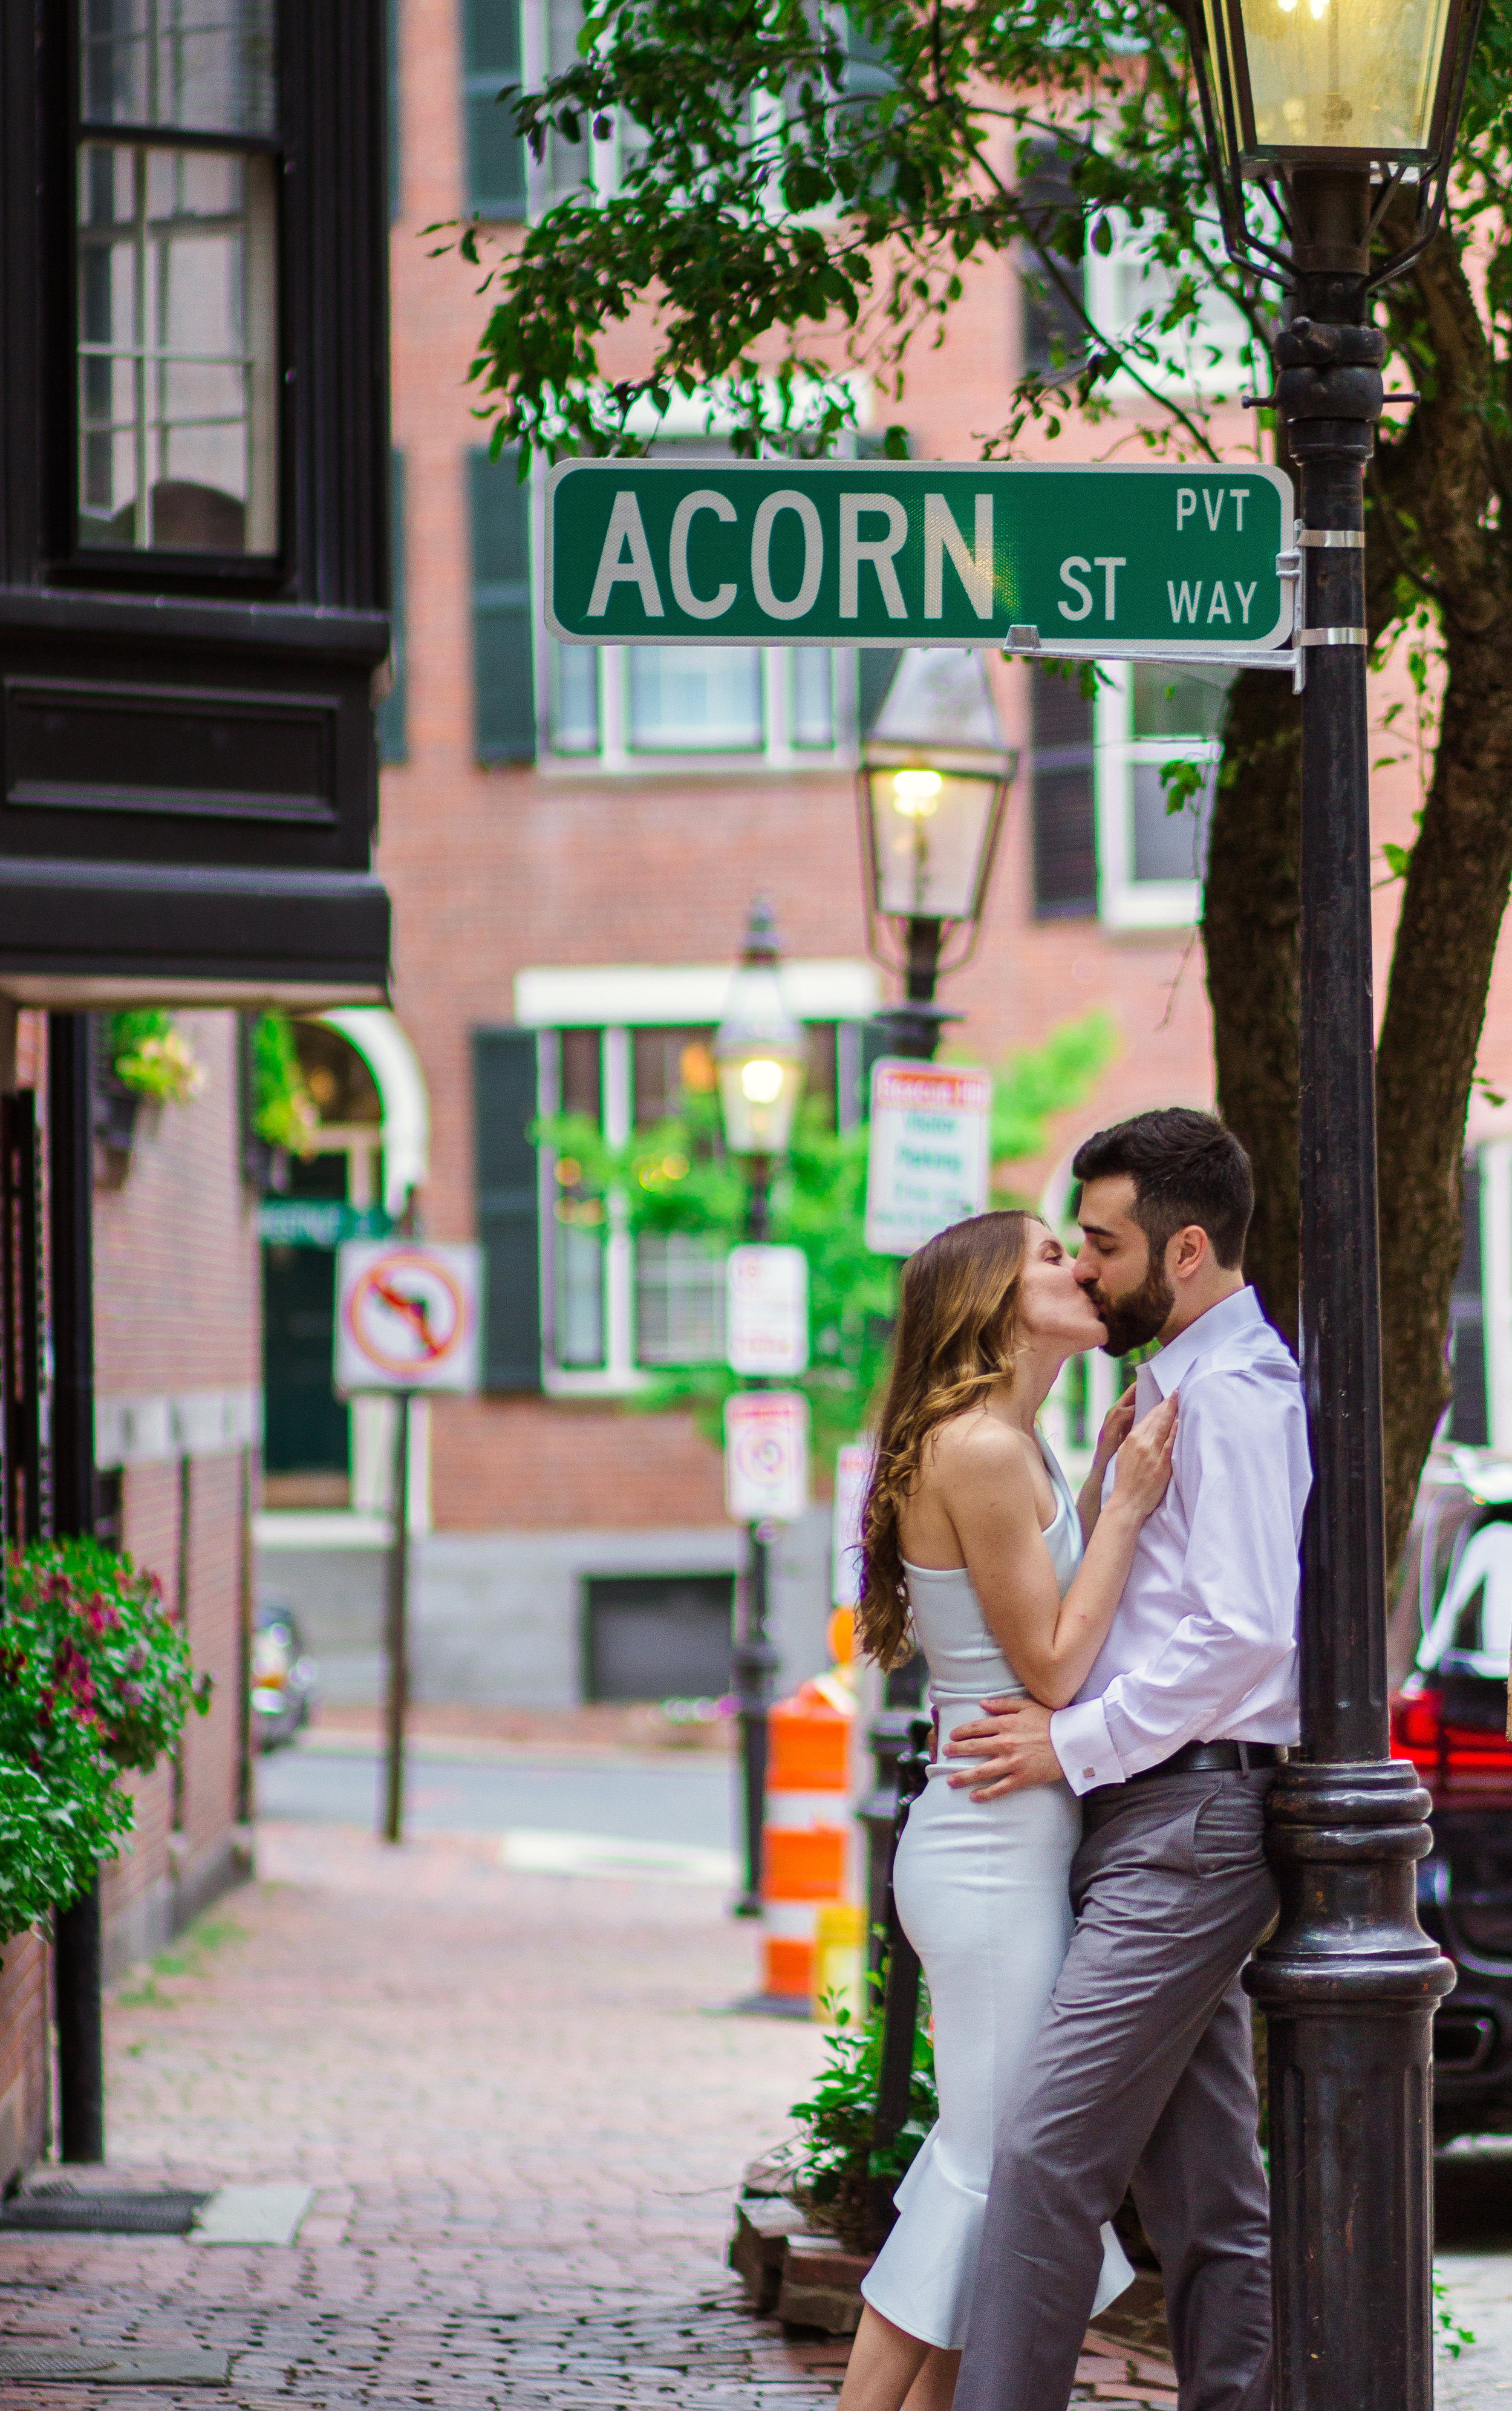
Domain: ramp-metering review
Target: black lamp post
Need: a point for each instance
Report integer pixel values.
(933, 787)
(760, 1055)
(1329, 105)
(932, 792)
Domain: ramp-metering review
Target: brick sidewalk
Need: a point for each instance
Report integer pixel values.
(523, 2128)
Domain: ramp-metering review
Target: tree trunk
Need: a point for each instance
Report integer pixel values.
(1249, 935)
(1441, 968)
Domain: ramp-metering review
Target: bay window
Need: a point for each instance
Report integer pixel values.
(177, 277)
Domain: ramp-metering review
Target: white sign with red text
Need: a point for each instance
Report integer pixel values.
(927, 1165)
(406, 1316)
(766, 1311)
(766, 1455)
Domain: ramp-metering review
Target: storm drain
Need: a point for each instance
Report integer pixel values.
(62, 2211)
(45, 2364)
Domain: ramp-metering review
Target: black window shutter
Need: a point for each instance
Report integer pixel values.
(504, 1077)
(1065, 809)
(503, 675)
(495, 153)
(1054, 335)
(391, 733)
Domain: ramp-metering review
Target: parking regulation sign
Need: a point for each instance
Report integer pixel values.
(406, 1317)
(766, 1311)
(766, 1455)
(927, 1160)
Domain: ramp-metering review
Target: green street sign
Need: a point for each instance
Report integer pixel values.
(1093, 563)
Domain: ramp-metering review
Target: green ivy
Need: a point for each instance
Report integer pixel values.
(150, 1054)
(282, 1110)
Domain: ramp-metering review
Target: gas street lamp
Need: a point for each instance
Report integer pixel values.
(933, 788)
(1333, 105)
(760, 1054)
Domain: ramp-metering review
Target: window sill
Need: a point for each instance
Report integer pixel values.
(1152, 905)
(661, 767)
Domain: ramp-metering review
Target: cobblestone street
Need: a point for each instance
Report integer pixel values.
(523, 2118)
(523, 2129)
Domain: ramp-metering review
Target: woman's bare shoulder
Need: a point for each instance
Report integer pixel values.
(977, 1445)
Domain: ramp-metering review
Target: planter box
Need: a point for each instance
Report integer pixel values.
(820, 2285)
(759, 2246)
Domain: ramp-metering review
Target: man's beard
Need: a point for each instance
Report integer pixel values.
(1139, 1317)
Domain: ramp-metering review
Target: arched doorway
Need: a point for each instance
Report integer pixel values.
(369, 1155)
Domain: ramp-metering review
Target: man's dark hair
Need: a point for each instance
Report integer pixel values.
(1185, 1167)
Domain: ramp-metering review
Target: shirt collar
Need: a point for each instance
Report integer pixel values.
(1230, 1316)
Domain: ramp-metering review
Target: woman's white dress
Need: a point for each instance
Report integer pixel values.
(982, 1895)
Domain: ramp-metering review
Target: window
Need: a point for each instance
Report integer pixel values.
(1150, 860)
(1469, 1416)
(1065, 815)
(626, 706)
(496, 179)
(1053, 335)
(620, 1305)
(655, 1636)
(178, 277)
(1212, 356)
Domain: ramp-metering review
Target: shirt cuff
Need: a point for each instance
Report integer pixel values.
(1081, 1740)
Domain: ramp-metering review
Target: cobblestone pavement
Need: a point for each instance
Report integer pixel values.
(523, 2119)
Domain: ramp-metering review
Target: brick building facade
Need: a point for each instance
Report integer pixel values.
(572, 841)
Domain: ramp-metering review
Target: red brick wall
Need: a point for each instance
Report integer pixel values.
(25, 2010)
(495, 869)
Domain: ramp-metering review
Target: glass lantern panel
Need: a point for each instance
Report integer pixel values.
(209, 64)
(1344, 75)
(929, 830)
(177, 350)
(757, 1103)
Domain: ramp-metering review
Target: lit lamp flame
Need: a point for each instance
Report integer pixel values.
(916, 793)
(760, 1080)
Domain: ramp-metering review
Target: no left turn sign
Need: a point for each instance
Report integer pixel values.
(406, 1317)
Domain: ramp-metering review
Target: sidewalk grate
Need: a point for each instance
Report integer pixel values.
(62, 2211)
(108, 2365)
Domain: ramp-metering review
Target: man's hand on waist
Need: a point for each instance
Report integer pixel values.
(1007, 1750)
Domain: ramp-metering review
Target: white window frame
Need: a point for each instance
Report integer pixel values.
(1496, 1286)
(708, 413)
(1124, 902)
(1182, 357)
(617, 998)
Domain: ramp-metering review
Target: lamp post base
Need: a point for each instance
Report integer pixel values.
(1349, 1983)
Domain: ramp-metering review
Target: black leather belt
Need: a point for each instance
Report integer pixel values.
(1217, 1757)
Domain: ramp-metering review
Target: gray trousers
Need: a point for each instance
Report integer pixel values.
(1142, 2073)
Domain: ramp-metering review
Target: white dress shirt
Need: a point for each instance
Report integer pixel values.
(1203, 1644)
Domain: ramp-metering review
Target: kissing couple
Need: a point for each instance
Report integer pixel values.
(1114, 1680)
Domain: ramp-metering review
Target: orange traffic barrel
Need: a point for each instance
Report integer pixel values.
(805, 1835)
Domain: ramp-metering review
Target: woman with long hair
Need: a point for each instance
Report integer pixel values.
(976, 1550)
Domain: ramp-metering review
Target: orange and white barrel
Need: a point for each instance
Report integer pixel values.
(807, 1835)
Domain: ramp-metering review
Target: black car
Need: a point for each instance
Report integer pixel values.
(1451, 1636)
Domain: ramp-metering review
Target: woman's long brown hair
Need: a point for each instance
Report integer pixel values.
(955, 1340)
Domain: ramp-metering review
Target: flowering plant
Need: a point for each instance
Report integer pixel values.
(101, 1646)
(149, 1053)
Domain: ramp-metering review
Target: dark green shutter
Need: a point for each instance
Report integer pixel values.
(1065, 796)
(502, 670)
(495, 153)
(391, 732)
(505, 1106)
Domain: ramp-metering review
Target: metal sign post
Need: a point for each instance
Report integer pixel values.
(1091, 564)
(407, 1323)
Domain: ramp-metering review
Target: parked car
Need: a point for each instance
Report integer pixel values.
(282, 1677)
(1451, 1639)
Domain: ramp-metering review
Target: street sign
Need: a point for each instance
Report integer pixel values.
(406, 1317)
(766, 1311)
(853, 1478)
(927, 1162)
(318, 1222)
(766, 1455)
(1091, 563)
